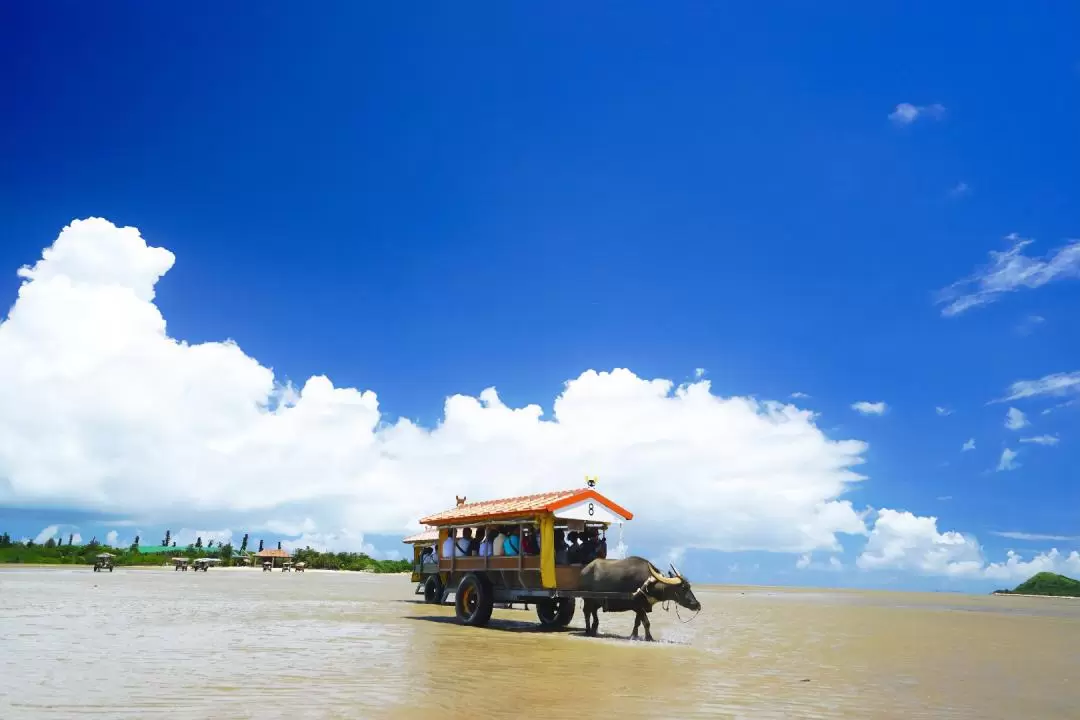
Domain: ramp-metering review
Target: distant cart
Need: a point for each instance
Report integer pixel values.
(204, 563)
(180, 563)
(299, 567)
(425, 571)
(286, 567)
(103, 562)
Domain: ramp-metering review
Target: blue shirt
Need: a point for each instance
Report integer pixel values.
(511, 546)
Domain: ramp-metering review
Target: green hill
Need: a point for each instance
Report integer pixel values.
(1046, 583)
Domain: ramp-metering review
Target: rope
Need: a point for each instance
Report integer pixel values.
(684, 622)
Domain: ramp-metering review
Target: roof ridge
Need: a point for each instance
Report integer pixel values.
(523, 497)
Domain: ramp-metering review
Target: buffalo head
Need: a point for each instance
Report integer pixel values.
(675, 587)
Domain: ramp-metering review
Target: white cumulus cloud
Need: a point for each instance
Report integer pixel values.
(1008, 460)
(187, 536)
(46, 534)
(906, 113)
(1008, 271)
(942, 411)
(903, 541)
(869, 408)
(969, 445)
(102, 410)
(111, 537)
(806, 562)
(1015, 419)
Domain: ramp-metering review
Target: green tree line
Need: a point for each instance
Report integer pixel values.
(57, 552)
(349, 561)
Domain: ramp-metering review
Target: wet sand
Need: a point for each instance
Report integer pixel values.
(151, 642)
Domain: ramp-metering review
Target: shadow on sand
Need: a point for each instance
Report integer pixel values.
(501, 625)
(516, 626)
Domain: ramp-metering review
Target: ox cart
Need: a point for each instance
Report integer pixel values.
(204, 564)
(460, 554)
(103, 562)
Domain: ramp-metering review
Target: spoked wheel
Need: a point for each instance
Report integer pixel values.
(433, 589)
(555, 613)
(473, 601)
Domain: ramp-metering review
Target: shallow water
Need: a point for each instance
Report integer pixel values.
(145, 643)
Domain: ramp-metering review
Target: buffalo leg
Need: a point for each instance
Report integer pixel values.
(645, 622)
(637, 623)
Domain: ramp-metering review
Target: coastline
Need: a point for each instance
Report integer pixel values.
(1028, 595)
(169, 567)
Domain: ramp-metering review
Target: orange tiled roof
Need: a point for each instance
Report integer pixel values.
(518, 506)
(272, 553)
(427, 536)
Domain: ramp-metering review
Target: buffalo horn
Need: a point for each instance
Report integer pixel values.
(675, 570)
(660, 577)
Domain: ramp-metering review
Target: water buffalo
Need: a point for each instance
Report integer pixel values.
(637, 576)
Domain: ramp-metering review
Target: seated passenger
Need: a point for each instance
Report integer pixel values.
(573, 553)
(512, 545)
(486, 547)
(601, 547)
(448, 544)
(461, 547)
(560, 548)
(529, 542)
(588, 546)
(474, 544)
(497, 545)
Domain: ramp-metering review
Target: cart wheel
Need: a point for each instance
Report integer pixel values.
(555, 613)
(433, 588)
(473, 601)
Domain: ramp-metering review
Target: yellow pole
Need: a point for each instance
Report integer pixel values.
(547, 550)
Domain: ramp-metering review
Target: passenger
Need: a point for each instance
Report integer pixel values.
(478, 539)
(560, 548)
(529, 542)
(573, 553)
(461, 547)
(448, 544)
(601, 547)
(512, 545)
(588, 546)
(497, 545)
(486, 546)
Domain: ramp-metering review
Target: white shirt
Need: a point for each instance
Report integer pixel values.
(458, 546)
(497, 546)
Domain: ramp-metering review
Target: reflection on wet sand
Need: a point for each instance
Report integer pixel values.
(239, 644)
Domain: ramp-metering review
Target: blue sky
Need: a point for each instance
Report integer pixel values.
(432, 203)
